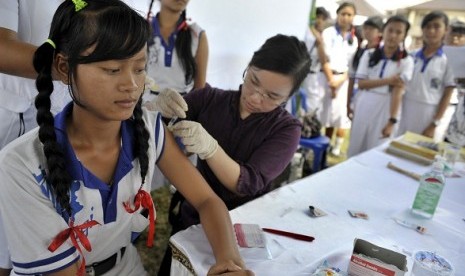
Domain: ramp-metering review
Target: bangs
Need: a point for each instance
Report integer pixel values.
(114, 34)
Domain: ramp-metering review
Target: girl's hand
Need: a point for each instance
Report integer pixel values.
(387, 130)
(429, 131)
(228, 268)
(396, 80)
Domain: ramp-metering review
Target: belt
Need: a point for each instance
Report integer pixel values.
(337, 73)
(100, 268)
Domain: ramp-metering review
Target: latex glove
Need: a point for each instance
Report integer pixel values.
(195, 138)
(169, 103)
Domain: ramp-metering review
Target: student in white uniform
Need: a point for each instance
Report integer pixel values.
(79, 183)
(314, 90)
(178, 56)
(428, 94)
(178, 50)
(23, 25)
(381, 74)
(340, 44)
(372, 31)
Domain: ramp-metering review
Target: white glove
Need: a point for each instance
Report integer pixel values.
(195, 138)
(169, 103)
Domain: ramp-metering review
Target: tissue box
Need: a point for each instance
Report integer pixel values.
(371, 260)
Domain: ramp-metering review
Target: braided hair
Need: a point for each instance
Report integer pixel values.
(401, 53)
(115, 32)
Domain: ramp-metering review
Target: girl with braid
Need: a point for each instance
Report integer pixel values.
(178, 56)
(74, 191)
(382, 73)
(178, 50)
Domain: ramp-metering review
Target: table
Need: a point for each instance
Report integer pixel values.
(361, 183)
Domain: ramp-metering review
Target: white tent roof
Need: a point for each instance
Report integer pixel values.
(451, 5)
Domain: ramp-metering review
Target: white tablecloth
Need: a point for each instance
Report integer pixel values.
(362, 183)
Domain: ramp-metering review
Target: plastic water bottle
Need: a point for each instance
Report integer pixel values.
(429, 191)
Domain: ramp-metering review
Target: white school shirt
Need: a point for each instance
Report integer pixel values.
(31, 21)
(338, 49)
(383, 69)
(164, 65)
(32, 218)
(430, 78)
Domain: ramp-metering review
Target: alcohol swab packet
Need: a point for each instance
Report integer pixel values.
(358, 214)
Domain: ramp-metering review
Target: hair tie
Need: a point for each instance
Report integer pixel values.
(49, 41)
(183, 26)
(79, 4)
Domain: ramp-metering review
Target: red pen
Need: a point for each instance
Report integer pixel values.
(289, 234)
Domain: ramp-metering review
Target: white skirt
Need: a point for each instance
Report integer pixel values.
(371, 116)
(417, 116)
(334, 111)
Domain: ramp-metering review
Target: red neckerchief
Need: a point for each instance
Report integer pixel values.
(75, 233)
(144, 199)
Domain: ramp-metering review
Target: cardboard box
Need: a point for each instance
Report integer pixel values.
(371, 260)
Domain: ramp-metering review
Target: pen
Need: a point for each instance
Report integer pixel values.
(289, 234)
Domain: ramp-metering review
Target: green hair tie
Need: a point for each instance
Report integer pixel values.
(79, 4)
(49, 41)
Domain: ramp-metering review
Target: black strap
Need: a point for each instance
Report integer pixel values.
(106, 265)
(22, 125)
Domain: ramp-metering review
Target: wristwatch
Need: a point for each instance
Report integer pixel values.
(436, 122)
(393, 120)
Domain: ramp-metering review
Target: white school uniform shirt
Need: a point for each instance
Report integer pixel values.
(339, 52)
(430, 78)
(164, 65)
(31, 21)
(372, 108)
(314, 91)
(338, 49)
(424, 92)
(32, 217)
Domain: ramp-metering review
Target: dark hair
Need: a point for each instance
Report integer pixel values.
(358, 54)
(184, 49)
(457, 27)
(321, 11)
(345, 5)
(285, 55)
(434, 15)
(374, 21)
(401, 53)
(117, 32)
(183, 45)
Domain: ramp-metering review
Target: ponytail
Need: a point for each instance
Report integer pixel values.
(184, 49)
(57, 176)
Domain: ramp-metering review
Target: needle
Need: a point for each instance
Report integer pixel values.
(172, 121)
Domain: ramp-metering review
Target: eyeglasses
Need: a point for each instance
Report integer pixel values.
(252, 86)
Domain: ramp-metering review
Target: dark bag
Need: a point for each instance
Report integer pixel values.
(311, 126)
